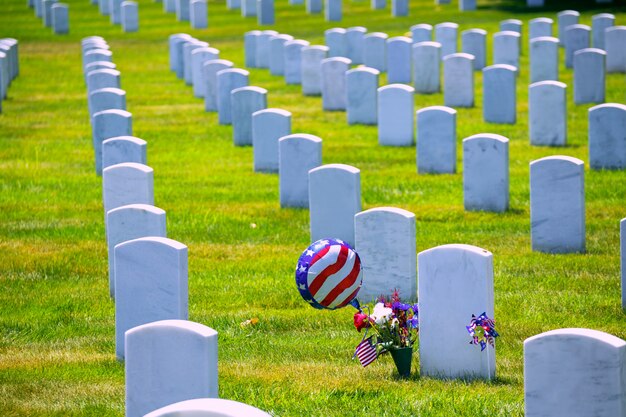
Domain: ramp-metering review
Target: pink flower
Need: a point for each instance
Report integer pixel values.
(361, 321)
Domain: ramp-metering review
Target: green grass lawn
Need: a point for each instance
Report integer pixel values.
(56, 318)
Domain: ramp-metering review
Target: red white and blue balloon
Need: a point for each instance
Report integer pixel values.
(329, 274)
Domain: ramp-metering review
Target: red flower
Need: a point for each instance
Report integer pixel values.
(361, 321)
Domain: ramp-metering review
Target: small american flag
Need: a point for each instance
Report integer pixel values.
(366, 352)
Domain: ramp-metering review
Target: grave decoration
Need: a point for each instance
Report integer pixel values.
(482, 330)
(329, 274)
(395, 325)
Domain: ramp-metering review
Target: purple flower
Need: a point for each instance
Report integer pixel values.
(415, 309)
(397, 305)
(414, 322)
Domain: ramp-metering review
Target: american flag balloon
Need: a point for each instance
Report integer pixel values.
(329, 274)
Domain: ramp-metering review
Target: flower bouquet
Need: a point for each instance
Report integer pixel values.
(395, 326)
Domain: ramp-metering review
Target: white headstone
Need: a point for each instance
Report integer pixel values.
(297, 155)
(395, 115)
(198, 57)
(599, 23)
(607, 136)
(454, 282)
(399, 60)
(332, 10)
(467, 5)
(122, 149)
(426, 59)
(564, 19)
(182, 10)
(169, 361)
(106, 99)
(436, 140)
(544, 59)
(354, 43)
(499, 97)
(249, 45)
(179, 55)
(334, 94)
(458, 80)
(399, 8)
(614, 40)
(109, 124)
(446, 34)
(422, 32)
(174, 55)
(576, 38)
(60, 18)
(375, 52)
(311, 77)
(199, 14)
(277, 53)
(540, 27)
(127, 183)
(547, 113)
(385, 241)
(262, 49)
(115, 10)
(506, 48)
(188, 49)
(474, 42)
(249, 8)
(130, 222)
(102, 78)
(268, 126)
(313, 6)
(589, 78)
(362, 95)
(227, 81)
(486, 173)
(265, 12)
(337, 42)
(557, 204)
(334, 199)
(293, 61)
(210, 69)
(208, 407)
(245, 101)
(378, 4)
(130, 16)
(574, 373)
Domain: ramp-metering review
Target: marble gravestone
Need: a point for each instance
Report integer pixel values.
(506, 48)
(277, 53)
(454, 282)
(249, 47)
(458, 80)
(297, 155)
(174, 41)
(179, 55)
(127, 183)
(385, 241)
(426, 61)
(436, 140)
(467, 5)
(208, 407)
(103, 7)
(334, 199)
(209, 73)
(115, 10)
(169, 6)
(589, 76)
(499, 97)
(399, 8)
(311, 77)
(188, 49)
(565, 19)
(446, 34)
(557, 205)
(614, 40)
(540, 27)
(474, 42)
(313, 6)
(544, 59)
(574, 373)
(334, 94)
(332, 10)
(262, 49)
(534, 3)
(227, 81)
(198, 57)
(47, 12)
(354, 44)
(130, 16)
(268, 126)
(245, 101)
(378, 4)
(102, 78)
(249, 8)
(486, 173)
(106, 99)
(60, 19)
(293, 61)
(375, 51)
(422, 32)
(547, 113)
(122, 149)
(97, 55)
(109, 124)
(337, 42)
(607, 136)
(169, 361)
(599, 23)
(182, 10)
(130, 222)
(198, 14)
(265, 12)
(576, 38)
(399, 60)
(513, 25)
(395, 115)
(362, 95)
(150, 285)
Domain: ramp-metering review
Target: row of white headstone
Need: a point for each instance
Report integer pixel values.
(9, 66)
(120, 12)
(168, 359)
(196, 12)
(53, 14)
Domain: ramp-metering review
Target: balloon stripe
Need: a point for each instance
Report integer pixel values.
(319, 255)
(346, 283)
(350, 297)
(328, 271)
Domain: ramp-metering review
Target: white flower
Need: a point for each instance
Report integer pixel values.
(381, 314)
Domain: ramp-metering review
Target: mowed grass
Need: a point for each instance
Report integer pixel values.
(56, 318)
